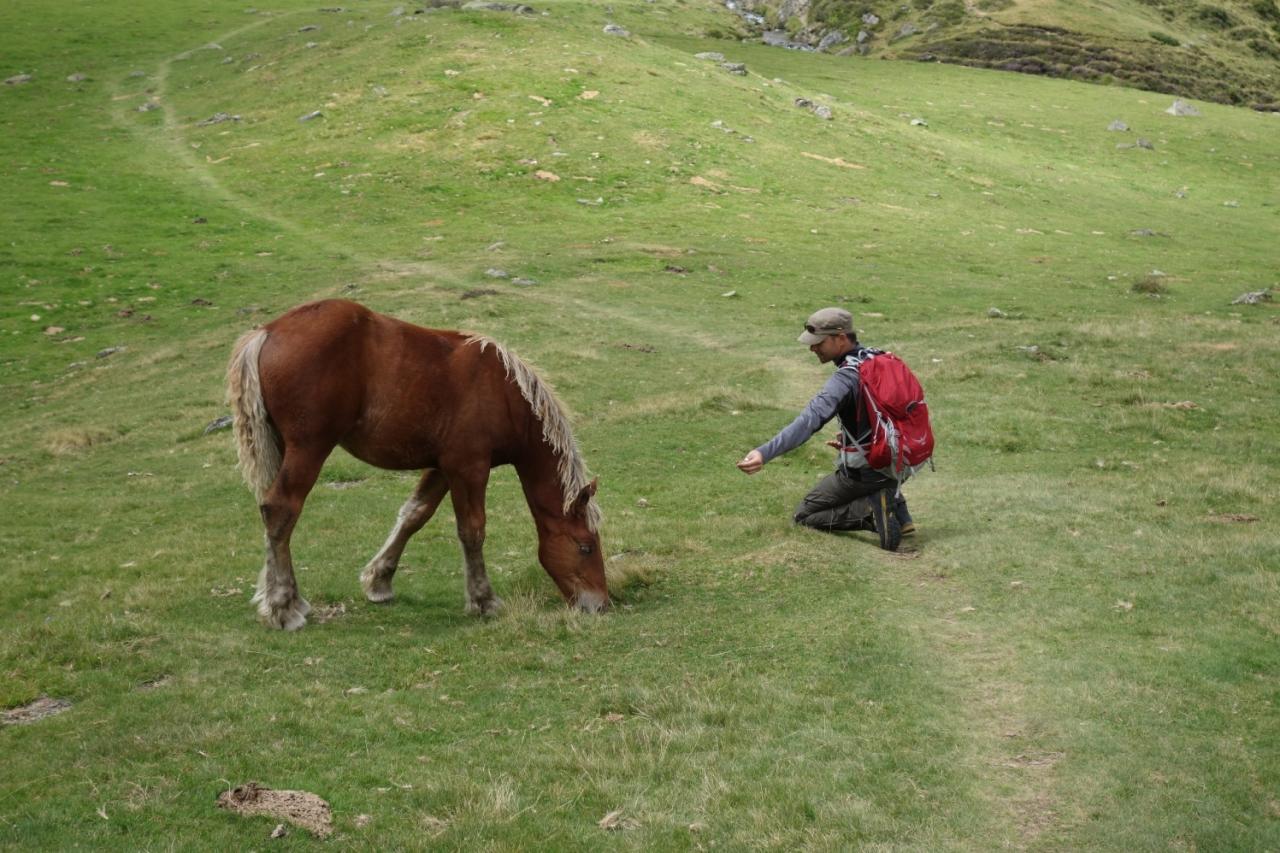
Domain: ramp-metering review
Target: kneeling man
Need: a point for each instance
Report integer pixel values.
(853, 497)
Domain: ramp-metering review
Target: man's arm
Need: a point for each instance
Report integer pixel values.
(821, 409)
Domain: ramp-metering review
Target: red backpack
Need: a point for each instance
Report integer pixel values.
(900, 440)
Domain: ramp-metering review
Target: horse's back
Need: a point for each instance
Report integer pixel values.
(337, 335)
(392, 393)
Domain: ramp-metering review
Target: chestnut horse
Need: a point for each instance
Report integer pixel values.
(403, 397)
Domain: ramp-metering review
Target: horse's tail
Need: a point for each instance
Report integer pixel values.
(257, 442)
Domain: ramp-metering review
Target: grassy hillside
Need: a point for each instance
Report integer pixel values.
(1078, 650)
(1225, 51)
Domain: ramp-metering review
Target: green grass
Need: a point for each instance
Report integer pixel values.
(1078, 651)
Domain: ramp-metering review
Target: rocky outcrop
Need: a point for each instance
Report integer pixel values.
(970, 32)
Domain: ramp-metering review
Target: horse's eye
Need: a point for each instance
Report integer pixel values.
(585, 548)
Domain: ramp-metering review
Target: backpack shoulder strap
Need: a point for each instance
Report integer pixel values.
(855, 359)
(853, 435)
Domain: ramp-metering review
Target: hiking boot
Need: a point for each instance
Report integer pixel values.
(887, 527)
(904, 518)
(869, 523)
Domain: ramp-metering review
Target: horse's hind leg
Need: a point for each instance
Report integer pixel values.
(417, 511)
(468, 505)
(279, 604)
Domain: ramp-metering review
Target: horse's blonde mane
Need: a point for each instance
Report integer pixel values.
(556, 431)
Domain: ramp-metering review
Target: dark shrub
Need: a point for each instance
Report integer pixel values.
(1267, 9)
(1264, 47)
(1165, 38)
(837, 13)
(1215, 16)
(1151, 284)
(948, 12)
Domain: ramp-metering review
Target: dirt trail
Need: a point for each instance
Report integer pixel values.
(174, 145)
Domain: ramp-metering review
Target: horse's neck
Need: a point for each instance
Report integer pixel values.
(539, 474)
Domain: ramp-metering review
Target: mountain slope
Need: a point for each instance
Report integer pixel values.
(1077, 651)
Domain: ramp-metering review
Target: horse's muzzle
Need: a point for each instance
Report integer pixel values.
(591, 601)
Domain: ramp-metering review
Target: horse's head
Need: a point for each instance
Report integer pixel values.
(570, 552)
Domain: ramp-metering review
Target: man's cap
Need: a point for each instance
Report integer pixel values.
(825, 323)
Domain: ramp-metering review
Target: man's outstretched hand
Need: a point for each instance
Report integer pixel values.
(751, 463)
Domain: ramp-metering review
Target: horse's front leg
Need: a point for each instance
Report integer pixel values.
(417, 511)
(468, 490)
(279, 604)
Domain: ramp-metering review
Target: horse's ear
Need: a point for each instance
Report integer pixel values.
(585, 496)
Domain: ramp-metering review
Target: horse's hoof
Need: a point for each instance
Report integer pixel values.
(484, 607)
(288, 618)
(376, 589)
(379, 592)
(292, 621)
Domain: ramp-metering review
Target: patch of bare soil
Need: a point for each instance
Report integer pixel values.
(34, 711)
(345, 484)
(1045, 759)
(615, 820)
(298, 807)
(1233, 517)
(658, 250)
(1182, 405)
(329, 612)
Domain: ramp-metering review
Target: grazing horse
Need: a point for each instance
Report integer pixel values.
(403, 397)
